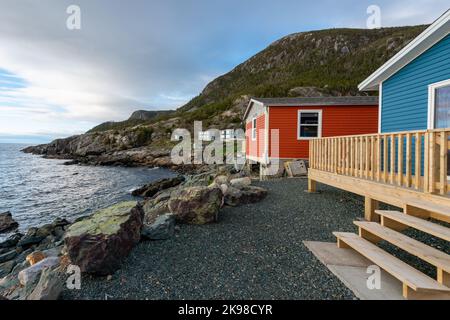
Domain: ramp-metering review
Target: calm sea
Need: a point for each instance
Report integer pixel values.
(37, 190)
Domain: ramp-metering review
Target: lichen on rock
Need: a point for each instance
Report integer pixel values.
(106, 221)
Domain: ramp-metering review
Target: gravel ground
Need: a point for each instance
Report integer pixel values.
(254, 252)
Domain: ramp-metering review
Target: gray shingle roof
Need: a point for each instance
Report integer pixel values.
(319, 101)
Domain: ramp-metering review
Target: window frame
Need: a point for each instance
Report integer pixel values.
(319, 124)
(432, 101)
(254, 125)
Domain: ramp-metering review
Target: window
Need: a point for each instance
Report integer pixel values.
(254, 129)
(439, 109)
(440, 105)
(309, 124)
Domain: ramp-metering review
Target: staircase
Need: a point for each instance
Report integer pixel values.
(416, 285)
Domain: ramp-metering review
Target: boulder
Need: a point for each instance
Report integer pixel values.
(200, 180)
(7, 223)
(224, 188)
(35, 257)
(235, 197)
(50, 285)
(241, 182)
(31, 274)
(99, 244)
(196, 205)
(8, 256)
(6, 268)
(32, 237)
(163, 162)
(221, 180)
(151, 189)
(11, 241)
(162, 228)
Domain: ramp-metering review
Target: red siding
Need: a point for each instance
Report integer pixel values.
(255, 148)
(336, 121)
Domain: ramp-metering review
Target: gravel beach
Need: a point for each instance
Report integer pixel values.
(254, 252)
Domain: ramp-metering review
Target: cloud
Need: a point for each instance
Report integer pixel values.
(146, 54)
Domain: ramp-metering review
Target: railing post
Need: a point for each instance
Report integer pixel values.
(418, 159)
(432, 163)
(443, 163)
(426, 160)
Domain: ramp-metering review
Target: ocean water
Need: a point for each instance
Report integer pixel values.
(37, 190)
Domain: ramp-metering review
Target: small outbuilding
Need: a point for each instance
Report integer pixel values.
(293, 122)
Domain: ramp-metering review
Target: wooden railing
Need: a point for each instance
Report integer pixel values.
(414, 159)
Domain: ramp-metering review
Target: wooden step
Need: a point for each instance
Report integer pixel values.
(416, 285)
(438, 211)
(419, 224)
(437, 258)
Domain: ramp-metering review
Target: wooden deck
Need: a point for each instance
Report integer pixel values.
(408, 170)
(404, 169)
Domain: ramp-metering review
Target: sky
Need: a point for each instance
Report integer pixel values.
(144, 54)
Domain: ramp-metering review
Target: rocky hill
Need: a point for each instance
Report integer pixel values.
(326, 62)
(136, 118)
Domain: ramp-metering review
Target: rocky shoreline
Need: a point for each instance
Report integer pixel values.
(35, 266)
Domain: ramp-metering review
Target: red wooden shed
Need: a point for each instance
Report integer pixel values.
(292, 122)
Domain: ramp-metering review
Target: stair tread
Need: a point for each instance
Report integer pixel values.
(429, 206)
(429, 254)
(417, 223)
(413, 278)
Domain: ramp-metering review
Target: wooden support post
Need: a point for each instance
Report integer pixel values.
(410, 294)
(443, 277)
(392, 224)
(369, 236)
(370, 205)
(342, 245)
(416, 212)
(312, 186)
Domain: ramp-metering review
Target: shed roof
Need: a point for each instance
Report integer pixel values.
(315, 101)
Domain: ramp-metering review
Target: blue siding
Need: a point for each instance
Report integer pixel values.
(405, 94)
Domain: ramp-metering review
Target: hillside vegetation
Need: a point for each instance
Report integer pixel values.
(318, 63)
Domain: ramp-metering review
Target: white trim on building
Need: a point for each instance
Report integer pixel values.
(319, 124)
(433, 34)
(432, 100)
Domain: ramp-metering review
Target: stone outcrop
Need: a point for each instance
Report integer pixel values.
(153, 188)
(50, 285)
(241, 182)
(162, 228)
(196, 205)
(35, 257)
(7, 223)
(249, 194)
(30, 274)
(99, 243)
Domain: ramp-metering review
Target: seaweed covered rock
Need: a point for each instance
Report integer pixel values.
(99, 244)
(196, 205)
(7, 223)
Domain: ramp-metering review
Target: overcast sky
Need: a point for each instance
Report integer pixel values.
(145, 54)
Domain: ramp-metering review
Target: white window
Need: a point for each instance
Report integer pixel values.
(309, 124)
(439, 108)
(227, 134)
(254, 129)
